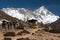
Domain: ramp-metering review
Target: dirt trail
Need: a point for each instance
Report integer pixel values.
(43, 35)
(1, 35)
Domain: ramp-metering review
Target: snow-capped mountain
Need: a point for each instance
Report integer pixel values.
(41, 14)
(19, 13)
(45, 15)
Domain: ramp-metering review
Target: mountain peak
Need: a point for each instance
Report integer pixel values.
(42, 7)
(45, 15)
(43, 10)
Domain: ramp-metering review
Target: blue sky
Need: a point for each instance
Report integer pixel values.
(51, 5)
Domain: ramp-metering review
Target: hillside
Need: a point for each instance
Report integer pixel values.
(3, 15)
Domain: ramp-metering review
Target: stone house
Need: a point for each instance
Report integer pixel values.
(5, 24)
(32, 23)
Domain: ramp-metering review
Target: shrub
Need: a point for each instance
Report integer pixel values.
(52, 39)
(9, 34)
(24, 31)
(54, 31)
(46, 39)
(19, 33)
(59, 36)
(20, 39)
(7, 39)
(27, 38)
(32, 33)
(20, 27)
(33, 27)
(23, 39)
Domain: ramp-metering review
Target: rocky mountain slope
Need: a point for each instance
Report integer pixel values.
(3, 15)
(56, 26)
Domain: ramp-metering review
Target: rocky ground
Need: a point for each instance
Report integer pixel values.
(28, 34)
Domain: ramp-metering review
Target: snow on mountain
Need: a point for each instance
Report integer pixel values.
(45, 15)
(41, 14)
(13, 12)
(19, 13)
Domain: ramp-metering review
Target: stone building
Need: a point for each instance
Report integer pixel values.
(32, 22)
(5, 24)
